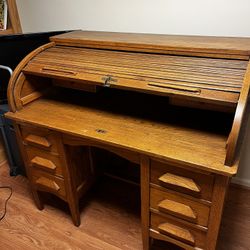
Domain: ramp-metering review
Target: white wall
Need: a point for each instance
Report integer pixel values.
(207, 17)
(196, 17)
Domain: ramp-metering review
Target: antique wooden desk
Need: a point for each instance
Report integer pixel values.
(174, 105)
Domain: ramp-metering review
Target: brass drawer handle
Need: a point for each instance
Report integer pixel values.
(174, 87)
(37, 141)
(43, 181)
(58, 71)
(178, 209)
(177, 233)
(43, 163)
(180, 181)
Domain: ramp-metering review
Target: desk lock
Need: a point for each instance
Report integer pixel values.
(108, 80)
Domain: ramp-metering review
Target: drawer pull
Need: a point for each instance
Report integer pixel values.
(177, 233)
(48, 183)
(177, 208)
(179, 181)
(37, 141)
(43, 163)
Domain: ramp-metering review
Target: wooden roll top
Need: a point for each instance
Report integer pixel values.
(202, 70)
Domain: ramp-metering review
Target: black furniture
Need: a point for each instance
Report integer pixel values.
(13, 48)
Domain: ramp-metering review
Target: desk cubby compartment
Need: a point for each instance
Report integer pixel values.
(39, 138)
(179, 206)
(179, 179)
(177, 230)
(43, 160)
(49, 183)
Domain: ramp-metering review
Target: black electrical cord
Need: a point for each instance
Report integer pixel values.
(5, 204)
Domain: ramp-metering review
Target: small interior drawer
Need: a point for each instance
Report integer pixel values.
(40, 138)
(179, 206)
(179, 179)
(178, 231)
(43, 160)
(48, 183)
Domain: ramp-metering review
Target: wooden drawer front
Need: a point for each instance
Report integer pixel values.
(196, 184)
(41, 138)
(48, 183)
(43, 160)
(177, 230)
(167, 202)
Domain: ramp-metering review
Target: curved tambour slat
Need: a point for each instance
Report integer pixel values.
(214, 80)
(238, 119)
(14, 78)
(155, 58)
(162, 67)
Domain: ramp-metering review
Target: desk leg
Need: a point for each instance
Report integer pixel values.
(218, 199)
(74, 210)
(37, 199)
(145, 168)
(35, 194)
(70, 162)
(79, 174)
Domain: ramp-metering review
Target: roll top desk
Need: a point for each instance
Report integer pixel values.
(173, 105)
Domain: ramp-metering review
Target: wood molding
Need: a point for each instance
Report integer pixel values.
(238, 119)
(14, 17)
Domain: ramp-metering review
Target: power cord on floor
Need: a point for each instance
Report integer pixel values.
(6, 201)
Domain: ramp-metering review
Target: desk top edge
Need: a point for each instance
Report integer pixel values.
(155, 42)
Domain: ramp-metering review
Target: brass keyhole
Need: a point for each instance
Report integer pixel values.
(101, 131)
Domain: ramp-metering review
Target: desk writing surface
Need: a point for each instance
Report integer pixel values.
(165, 139)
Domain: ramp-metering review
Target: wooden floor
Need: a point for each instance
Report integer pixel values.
(110, 219)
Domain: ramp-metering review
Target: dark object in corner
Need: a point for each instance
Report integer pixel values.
(13, 48)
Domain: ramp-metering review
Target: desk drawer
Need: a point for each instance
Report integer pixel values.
(181, 207)
(179, 179)
(43, 160)
(49, 183)
(178, 230)
(40, 138)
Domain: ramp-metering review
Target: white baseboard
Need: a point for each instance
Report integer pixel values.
(241, 181)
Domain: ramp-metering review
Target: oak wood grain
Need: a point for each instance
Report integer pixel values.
(17, 72)
(156, 43)
(183, 151)
(233, 139)
(89, 121)
(177, 232)
(216, 80)
(179, 181)
(204, 181)
(179, 206)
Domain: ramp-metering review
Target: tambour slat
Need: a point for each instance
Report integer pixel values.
(159, 65)
(204, 85)
(208, 76)
(155, 67)
(183, 60)
(177, 75)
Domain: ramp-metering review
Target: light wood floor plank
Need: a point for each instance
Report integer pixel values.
(110, 219)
